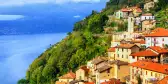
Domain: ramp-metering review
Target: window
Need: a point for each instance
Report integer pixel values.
(118, 55)
(108, 71)
(146, 73)
(155, 74)
(151, 74)
(122, 50)
(122, 56)
(163, 39)
(132, 71)
(132, 77)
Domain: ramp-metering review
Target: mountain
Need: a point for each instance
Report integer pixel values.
(86, 41)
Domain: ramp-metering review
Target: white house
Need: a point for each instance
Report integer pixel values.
(159, 37)
(147, 16)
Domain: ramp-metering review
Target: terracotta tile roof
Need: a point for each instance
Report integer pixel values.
(156, 67)
(159, 49)
(127, 46)
(104, 68)
(145, 53)
(84, 68)
(99, 60)
(57, 82)
(141, 41)
(147, 14)
(126, 10)
(163, 81)
(69, 75)
(158, 30)
(112, 49)
(138, 10)
(89, 83)
(112, 81)
(158, 33)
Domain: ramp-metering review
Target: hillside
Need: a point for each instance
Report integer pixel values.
(76, 49)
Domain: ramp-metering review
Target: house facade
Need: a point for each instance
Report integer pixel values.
(123, 51)
(148, 25)
(159, 37)
(149, 72)
(119, 14)
(153, 53)
(67, 78)
(147, 16)
(82, 73)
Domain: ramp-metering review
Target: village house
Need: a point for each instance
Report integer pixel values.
(82, 73)
(120, 70)
(148, 25)
(158, 37)
(119, 14)
(67, 78)
(149, 72)
(147, 16)
(104, 73)
(123, 51)
(135, 10)
(126, 12)
(111, 53)
(138, 42)
(153, 53)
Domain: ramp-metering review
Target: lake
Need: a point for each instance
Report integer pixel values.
(19, 51)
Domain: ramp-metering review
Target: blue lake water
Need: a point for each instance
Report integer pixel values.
(18, 51)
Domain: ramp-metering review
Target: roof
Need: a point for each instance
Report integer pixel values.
(147, 14)
(141, 41)
(112, 49)
(118, 62)
(138, 10)
(158, 29)
(127, 46)
(145, 53)
(89, 83)
(163, 81)
(112, 81)
(159, 49)
(158, 33)
(57, 82)
(98, 60)
(126, 10)
(156, 67)
(69, 75)
(103, 68)
(84, 68)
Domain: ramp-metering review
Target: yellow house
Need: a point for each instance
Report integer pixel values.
(104, 73)
(123, 51)
(148, 25)
(120, 69)
(82, 73)
(111, 53)
(67, 77)
(149, 72)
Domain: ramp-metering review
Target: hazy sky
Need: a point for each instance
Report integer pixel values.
(23, 2)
